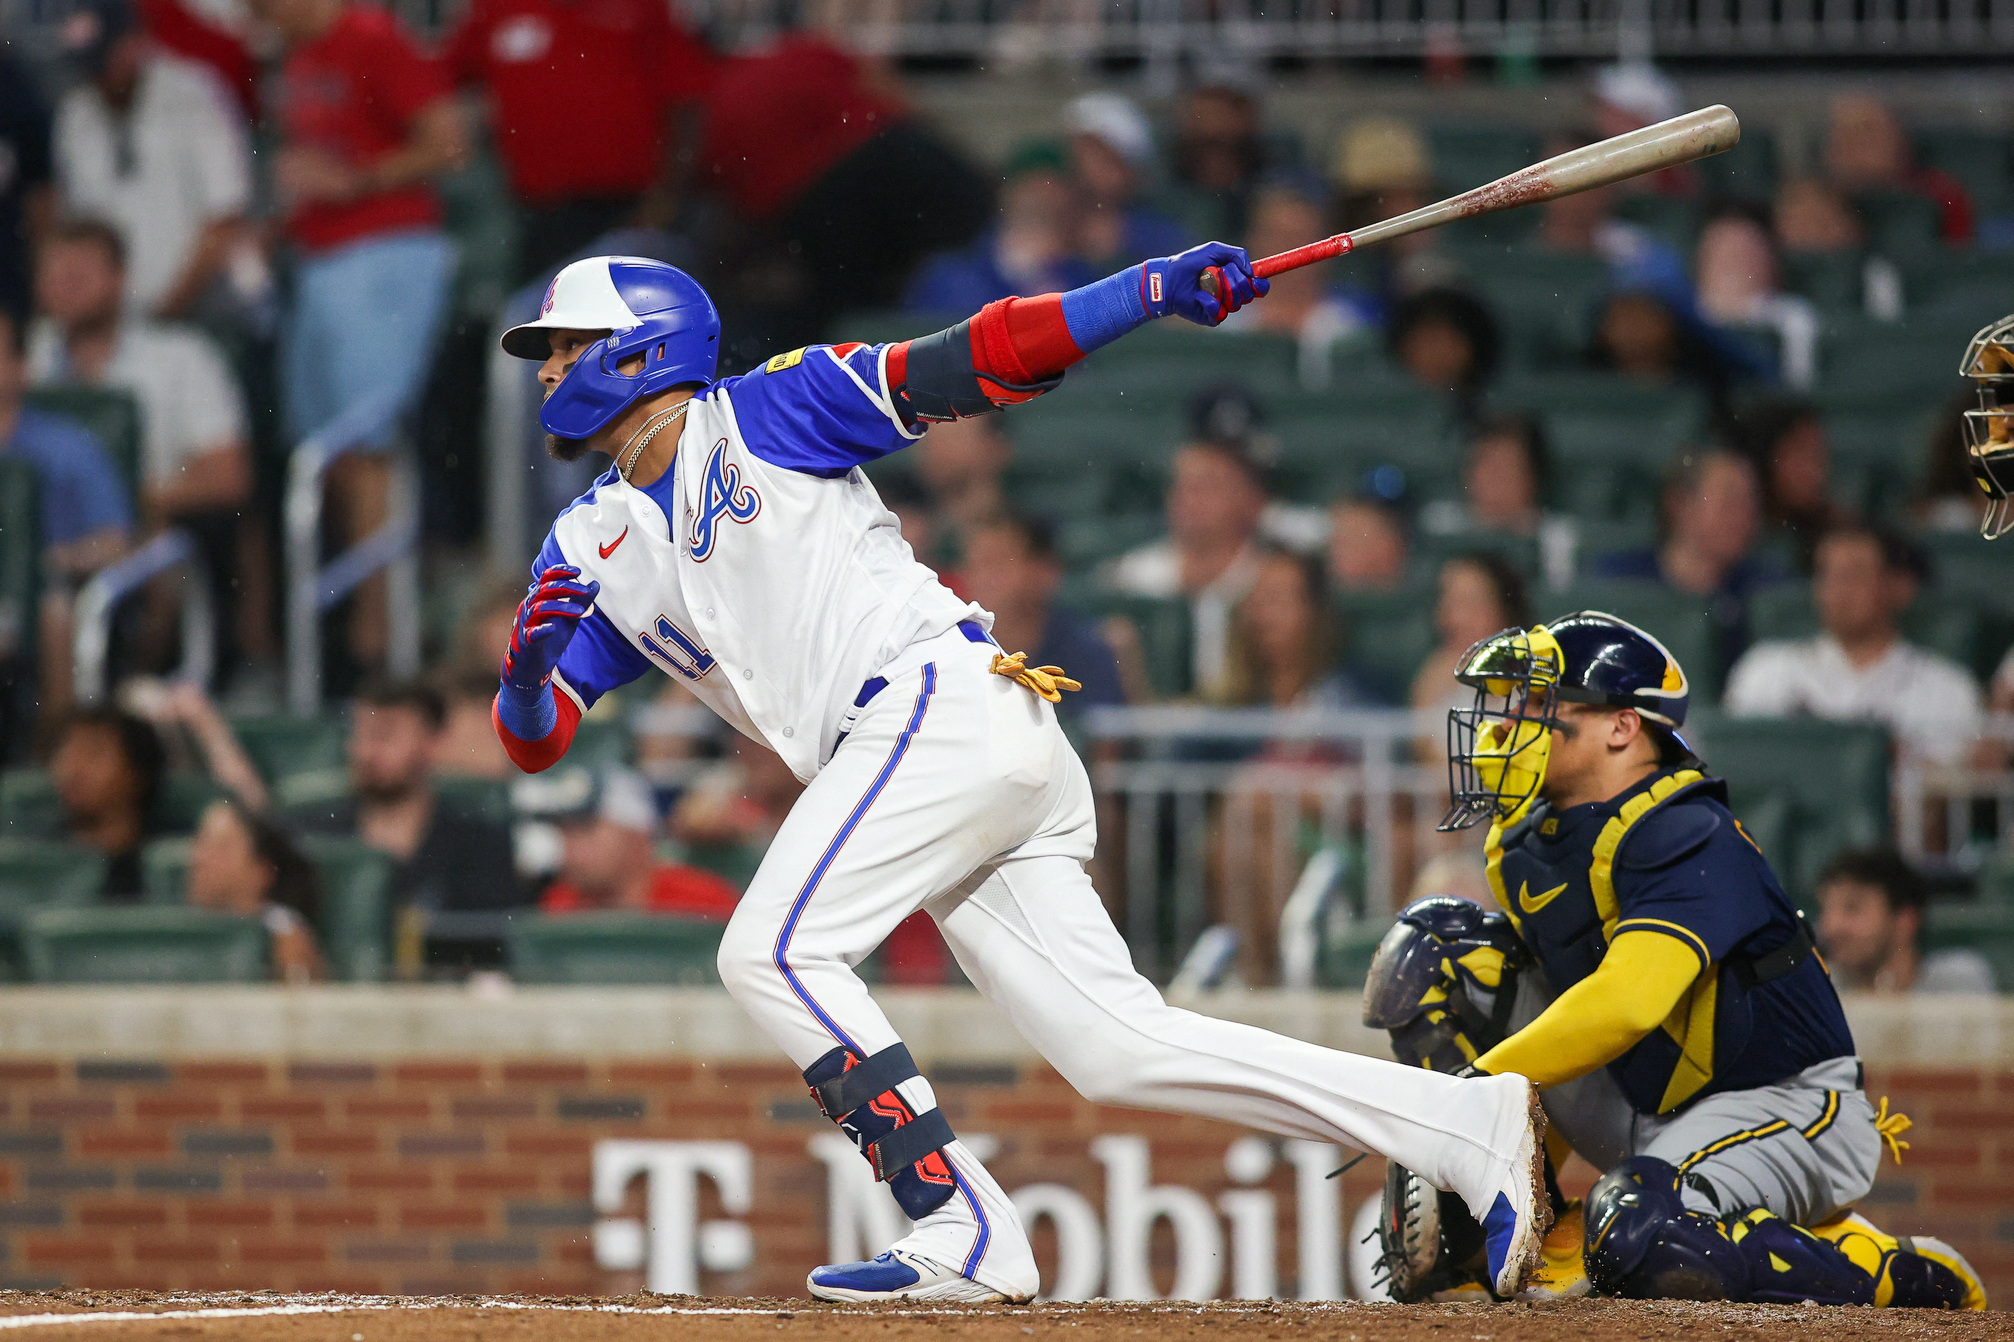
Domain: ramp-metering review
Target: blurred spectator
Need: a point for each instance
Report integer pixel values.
(1480, 595)
(107, 769)
(85, 515)
(1011, 569)
(623, 70)
(1871, 906)
(1641, 336)
(731, 812)
(447, 859)
(1368, 547)
(367, 122)
(196, 466)
(1505, 472)
(1866, 151)
(808, 144)
(608, 857)
(930, 537)
(1220, 154)
(961, 463)
(26, 197)
(1813, 216)
(1740, 285)
(184, 716)
(1215, 500)
(243, 864)
(1284, 643)
(1111, 158)
(1447, 340)
(1585, 224)
(1948, 499)
(1381, 169)
(1786, 441)
(1032, 249)
(469, 747)
(1709, 519)
(1301, 305)
(1861, 669)
(155, 145)
(1229, 414)
(1633, 94)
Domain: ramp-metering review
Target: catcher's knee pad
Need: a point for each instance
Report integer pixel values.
(904, 1147)
(1644, 1244)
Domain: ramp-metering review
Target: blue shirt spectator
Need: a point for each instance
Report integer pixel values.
(86, 509)
(1011, 568)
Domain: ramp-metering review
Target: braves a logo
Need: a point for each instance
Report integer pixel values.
(721, 494)
(545, 308)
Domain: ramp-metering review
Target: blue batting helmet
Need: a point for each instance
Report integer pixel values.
(649, 309)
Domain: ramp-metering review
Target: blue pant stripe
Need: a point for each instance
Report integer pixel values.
(782, 954)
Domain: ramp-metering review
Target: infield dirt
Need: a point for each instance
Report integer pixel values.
(310, 1318)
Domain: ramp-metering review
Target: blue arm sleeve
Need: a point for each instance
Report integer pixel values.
(821, 410)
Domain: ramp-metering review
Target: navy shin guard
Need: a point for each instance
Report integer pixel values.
(905, 1148)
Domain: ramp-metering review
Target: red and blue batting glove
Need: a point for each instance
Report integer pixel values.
(546, 620)
(1174, 284)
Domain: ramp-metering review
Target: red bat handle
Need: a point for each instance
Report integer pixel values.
(1328, 248)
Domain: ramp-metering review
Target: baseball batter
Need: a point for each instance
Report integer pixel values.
(737, 545)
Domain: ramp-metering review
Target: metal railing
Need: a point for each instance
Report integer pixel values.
(1955, 817)
(1213, 817)
(1218, 30)
(98, 604)
(314, 588)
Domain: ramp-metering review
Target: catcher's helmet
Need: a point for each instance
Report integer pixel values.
(1989, 430)
(1497, 748)
(649, 309)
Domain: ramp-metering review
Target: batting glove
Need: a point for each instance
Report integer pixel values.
(546, 620)
(1174, 284)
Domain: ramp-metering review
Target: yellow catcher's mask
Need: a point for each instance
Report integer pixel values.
(1497, 747)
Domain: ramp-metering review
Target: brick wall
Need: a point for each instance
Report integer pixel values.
(459, 1174)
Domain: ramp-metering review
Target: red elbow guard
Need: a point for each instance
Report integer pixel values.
(536, 756)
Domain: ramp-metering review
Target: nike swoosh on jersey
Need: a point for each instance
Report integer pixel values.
(609, 549)
(1528, 905)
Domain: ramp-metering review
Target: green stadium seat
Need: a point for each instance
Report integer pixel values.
(1430, 552)
(1893, 363)
(38, 874)
(29, 808)
(1545, 303)
(1163, 627)
(113, 417)
(1835, 281)
(1675, 220)
(483, 222)
(1942, 276)
(142, 944)
(282, 745)
(1386, 635)
(594, 949)
(1900, 223)
(1085, 542)
(1344, 960)
(164, 870)
(1987, 929)
(1817, 786)
(20, 562)
(184, 794)
(486, 797)
(602, 742)
(1683, 623)
(356, 914)
(1746, 172)
(880, 326)
(1472, 154)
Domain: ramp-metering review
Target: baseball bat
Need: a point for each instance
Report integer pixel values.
(1683, 139)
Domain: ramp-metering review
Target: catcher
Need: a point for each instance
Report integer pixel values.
(1649, 974)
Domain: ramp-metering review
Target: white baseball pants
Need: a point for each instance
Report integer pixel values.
(957, 792)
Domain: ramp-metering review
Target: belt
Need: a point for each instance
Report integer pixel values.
(873, 685)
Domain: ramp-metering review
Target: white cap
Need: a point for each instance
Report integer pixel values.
(1113, 118)
(615, 794)
(583, 297)
(1639, 88)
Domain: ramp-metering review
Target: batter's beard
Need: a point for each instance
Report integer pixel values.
(565, 449)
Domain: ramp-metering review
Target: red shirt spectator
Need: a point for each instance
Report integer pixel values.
(778, 119)
(353, 93)
(682, 892)
(615, 66)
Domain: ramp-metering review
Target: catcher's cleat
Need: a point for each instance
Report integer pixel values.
(1913, 1271)
(1563, 1274)
(896, 1275)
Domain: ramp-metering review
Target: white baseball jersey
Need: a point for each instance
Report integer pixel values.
(762, 569)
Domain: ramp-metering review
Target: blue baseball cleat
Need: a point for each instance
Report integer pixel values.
(1515, 1226)
(895, 1275)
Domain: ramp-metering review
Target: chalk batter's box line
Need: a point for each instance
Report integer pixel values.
(386, 1306)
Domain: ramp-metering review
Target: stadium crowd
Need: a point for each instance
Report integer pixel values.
(1718, 402)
